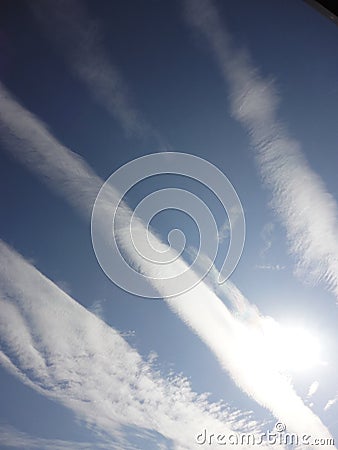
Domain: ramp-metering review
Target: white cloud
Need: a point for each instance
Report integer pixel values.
(238, 346)
(244, 348)
(66, 353)
(77, 35)
(224, 231)
(96, 307)
(330, 403)
(13, 438)
(299, 196)
(313, 389)
(266, 235)
(34, 146)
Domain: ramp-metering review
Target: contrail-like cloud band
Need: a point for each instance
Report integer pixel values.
(69, 26)
(61, 350)
(240, 349)
(299, 196)
(11, 437)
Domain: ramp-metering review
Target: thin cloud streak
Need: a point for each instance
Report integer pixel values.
(68, 25)
(14, 438)
(331, 403)
(30, 142)
(239, 348)
(66, 353)
(308, 212)
(266, 235)
(313, 389)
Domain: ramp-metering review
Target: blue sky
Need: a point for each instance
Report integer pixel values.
(87, 87)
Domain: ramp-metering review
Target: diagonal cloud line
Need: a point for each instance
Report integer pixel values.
(67, 354)
(308, 212)
(14, 438)
(68, 25)
(232, 342)
(266, 236)
(331, 402)
(59, 168)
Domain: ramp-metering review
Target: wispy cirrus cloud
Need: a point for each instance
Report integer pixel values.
(224, 232)
(30, 142)
(331, 402)
(313, 389)
(266, 235)
(299, 196)
(11, 437)
(239, 346)
(78, 37)
(241, 339)
(66, 353)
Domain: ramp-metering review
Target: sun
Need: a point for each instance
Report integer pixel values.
(292, 348)
(302, 348)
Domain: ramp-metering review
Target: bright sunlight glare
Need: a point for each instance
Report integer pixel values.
(294, 348)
